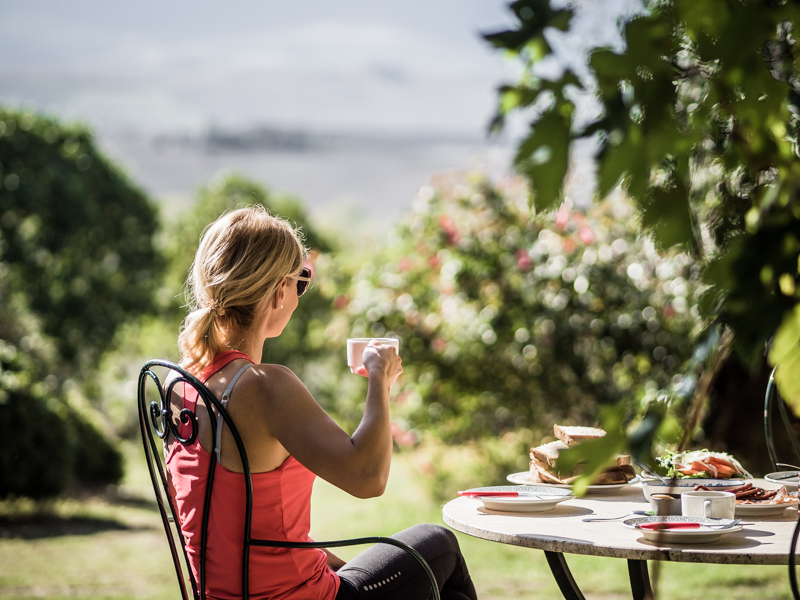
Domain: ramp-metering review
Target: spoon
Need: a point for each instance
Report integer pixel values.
(634, 512)
(647, 471)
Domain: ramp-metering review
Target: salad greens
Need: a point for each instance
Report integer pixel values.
(702, 464)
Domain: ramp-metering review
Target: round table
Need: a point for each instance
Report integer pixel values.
(764, 540)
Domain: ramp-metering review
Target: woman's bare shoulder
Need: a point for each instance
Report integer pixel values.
(270, 377)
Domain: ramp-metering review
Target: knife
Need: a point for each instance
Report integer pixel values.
(686, 525)
(488, 494)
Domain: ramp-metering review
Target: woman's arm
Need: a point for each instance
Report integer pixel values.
(358, 464)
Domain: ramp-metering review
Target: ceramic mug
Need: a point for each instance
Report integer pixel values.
(356, 346)
(708, 504)
(665, 504)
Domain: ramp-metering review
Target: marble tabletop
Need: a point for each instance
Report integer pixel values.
(763, 540)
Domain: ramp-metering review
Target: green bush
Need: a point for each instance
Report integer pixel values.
(77, 261)
(76, 236)
(35, 445)
(46, 446)
(512, 321)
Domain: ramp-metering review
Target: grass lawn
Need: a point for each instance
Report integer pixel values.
(113, 547)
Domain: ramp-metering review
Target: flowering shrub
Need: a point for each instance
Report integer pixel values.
(510, 320)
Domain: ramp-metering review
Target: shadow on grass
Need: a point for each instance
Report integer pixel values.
(33, 527)
(133, 501)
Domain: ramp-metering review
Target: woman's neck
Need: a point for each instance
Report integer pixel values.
(250, 345)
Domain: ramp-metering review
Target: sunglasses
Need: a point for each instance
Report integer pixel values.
(303, 281)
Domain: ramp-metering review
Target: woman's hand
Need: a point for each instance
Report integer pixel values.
(381, 361)
(334, 562)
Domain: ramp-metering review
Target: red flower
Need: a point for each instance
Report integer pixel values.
(586, 235)
(448, 225)
(562, 218)
(524, 262)
(341, 301)
(401, 437)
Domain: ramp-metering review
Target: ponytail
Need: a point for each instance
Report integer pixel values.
(199, 341)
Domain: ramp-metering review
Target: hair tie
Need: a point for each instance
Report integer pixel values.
(216, 308)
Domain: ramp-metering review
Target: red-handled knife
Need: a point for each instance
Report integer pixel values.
(473, 494)
(495, 494)
(676, 525)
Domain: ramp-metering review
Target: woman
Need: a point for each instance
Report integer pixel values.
(245, 283)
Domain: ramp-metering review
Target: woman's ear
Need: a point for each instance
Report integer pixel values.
(277, 299)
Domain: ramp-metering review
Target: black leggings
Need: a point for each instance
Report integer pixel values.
(387, 572)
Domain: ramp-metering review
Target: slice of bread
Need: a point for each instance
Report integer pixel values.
(540, 474)
(550, 470)
(609, 477)
(623, 460)
(548, 453)
(534, 472)
(616, 474)
(543, 475)
(571, 435)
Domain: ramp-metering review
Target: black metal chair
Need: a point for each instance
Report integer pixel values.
(773, 403)
(156, 421)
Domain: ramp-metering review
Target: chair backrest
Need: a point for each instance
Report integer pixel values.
(775, 410)
(157, 382)
(773, 403)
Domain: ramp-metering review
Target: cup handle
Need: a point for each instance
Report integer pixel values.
(707, 509)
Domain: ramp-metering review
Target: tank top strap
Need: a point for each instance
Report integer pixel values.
(224, 401)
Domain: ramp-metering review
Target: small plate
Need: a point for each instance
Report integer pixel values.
(524, 478)
(543, 498)
(788, 479)
(762, 510)
(704, 534)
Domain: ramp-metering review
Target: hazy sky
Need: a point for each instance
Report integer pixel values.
(181, 65)
(353, 66)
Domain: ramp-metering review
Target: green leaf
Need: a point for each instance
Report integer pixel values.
(534, 17)
(614, 164)
(544, 157)
(785, 354)
(787, 339)
(669, 218)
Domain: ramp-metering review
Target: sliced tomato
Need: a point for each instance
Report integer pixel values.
(721, 462)
(725, 471)
(700, 466)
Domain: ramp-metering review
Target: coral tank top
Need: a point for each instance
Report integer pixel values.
(281, 511)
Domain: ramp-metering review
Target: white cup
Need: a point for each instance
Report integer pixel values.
(711, 505)
(356, 346)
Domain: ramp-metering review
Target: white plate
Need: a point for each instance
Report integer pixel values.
(704, 534)
(545, 498)
(762, 510)
(654, 486)
(788, 479)
(524, 478)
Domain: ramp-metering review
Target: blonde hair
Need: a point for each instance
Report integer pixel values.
(243, 257)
